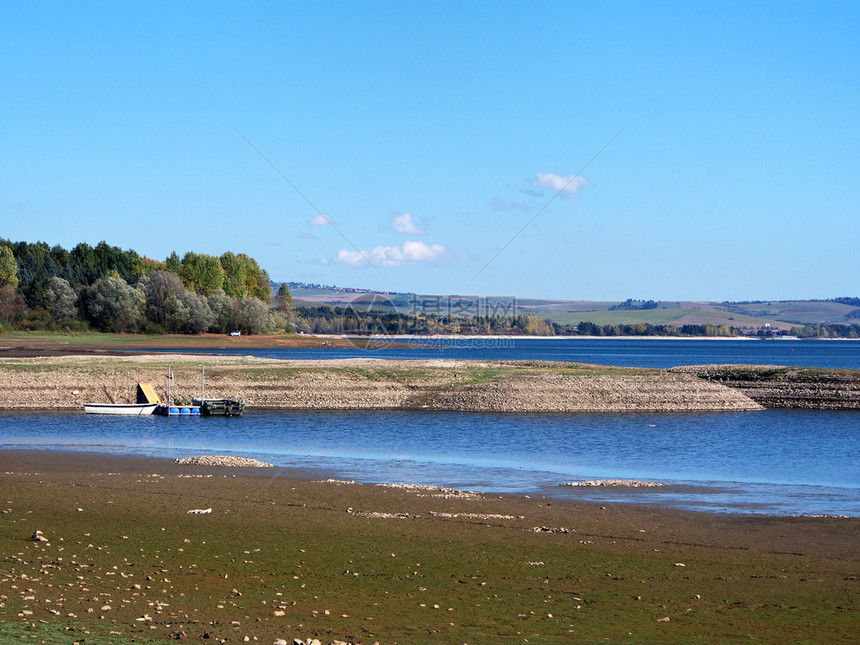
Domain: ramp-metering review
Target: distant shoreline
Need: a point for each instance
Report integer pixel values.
(405, 337)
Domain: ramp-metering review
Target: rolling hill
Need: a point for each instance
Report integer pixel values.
(778, 315)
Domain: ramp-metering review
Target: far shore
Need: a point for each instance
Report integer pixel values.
(55, 344)
(472, 337)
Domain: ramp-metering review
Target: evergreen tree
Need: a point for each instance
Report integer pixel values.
(284, 300)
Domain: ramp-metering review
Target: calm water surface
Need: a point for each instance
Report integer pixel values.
(628, 352)
(775, 461)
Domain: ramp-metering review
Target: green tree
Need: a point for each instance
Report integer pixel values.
(244, 277)
(234, 275)
(8, 268)
(284, 300)
(112, 305)
(173, 263)
(199, 316)
(35, 268)
(62, 300)
(254, 316)
(201, 273)
(257, 281)
(161, 291)
(225, 312)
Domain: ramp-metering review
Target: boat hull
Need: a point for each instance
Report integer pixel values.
(128, 409)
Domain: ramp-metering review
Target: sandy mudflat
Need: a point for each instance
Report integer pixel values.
(280, 557)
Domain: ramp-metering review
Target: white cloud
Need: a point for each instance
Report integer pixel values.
(405, 223)
(568, 185)
(393, 256)
(319, 220)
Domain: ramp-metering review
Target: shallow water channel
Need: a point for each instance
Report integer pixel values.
(781, 462)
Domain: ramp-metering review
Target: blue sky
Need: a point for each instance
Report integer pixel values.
(434, 146)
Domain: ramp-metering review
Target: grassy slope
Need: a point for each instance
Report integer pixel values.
(779, 314)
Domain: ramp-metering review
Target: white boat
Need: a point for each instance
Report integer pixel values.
(120, 408)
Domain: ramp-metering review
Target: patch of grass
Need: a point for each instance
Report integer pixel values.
(38, 632)
(750, 373)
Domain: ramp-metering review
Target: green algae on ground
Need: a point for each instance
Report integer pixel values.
(293, 559)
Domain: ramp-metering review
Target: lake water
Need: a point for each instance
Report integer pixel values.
(783, 462)
(628, 352)
(776, 461)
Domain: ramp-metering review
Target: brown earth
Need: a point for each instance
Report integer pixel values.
(124, 561)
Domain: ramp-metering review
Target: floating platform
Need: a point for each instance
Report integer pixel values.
(178, 410)
(220, 407)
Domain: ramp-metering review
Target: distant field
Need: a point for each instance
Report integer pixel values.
(652, 316)
(798, 311)
(676, 317)
(778, 314)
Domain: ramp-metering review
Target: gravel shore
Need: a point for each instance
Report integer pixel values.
(786, 387)
(67, 382)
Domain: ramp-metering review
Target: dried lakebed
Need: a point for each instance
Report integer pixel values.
(124, 561)
(67, 382)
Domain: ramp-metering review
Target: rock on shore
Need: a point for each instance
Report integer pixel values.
(227, 461)
(66, 383)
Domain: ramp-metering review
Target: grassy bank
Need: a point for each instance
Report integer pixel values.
(32, 343)
(279, 558)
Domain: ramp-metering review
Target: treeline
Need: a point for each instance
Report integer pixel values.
(349, 320)
(635, 305)
(827, 330)
(108, 289)
(647, 329)
(854, 302)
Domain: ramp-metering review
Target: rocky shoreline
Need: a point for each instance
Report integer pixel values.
(786, 387)
(67, 382)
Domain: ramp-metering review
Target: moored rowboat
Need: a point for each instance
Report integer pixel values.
(120, 408)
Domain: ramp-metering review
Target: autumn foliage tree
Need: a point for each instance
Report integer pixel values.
(8, 268)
